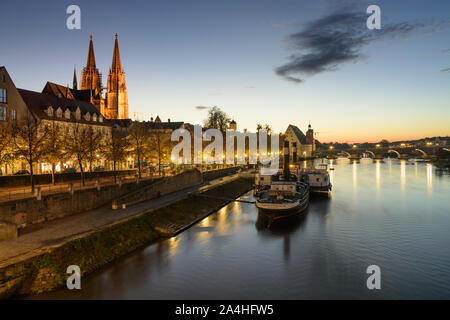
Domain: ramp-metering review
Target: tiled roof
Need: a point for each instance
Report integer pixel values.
(164, 125)
(58, 90)
(300, 136)
(38, 104)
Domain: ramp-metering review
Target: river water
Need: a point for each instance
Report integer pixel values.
(393, 213)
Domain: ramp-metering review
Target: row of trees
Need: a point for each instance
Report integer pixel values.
(37, 141)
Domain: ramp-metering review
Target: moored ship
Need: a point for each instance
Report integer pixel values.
(318, 179)
(284, 195)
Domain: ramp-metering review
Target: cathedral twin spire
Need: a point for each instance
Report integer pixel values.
(115, 104)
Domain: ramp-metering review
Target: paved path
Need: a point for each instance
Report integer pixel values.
(58, 231)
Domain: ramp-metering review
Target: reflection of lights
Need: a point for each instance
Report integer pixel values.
(354, 146)
(331, 147)
(378, 145)
(403, 174)
(355, 177)
(205, 222)
(378, 175)
(173, 244)
(429, 178)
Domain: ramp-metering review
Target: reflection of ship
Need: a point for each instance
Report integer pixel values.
(284, 196)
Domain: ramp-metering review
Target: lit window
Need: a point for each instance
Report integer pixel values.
(100, 119)
(67, 114)
(3, 113)
(59, 113)
(2, 95)
(50, 111)
(87, 116)
(78, 114)
(94, 118)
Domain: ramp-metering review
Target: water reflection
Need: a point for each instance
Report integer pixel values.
(355, 178)
(403, 174)
(322, 254)
(429, 179)
(378, 176)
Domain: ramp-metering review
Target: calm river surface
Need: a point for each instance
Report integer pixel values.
(394, 214)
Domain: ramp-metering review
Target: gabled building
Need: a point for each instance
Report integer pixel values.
(305, 143)
(12, 106)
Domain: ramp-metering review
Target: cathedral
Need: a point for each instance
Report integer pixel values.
(115, 103)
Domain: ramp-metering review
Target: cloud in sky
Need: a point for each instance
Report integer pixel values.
(326, 43)
(445, 70)
(201, 108)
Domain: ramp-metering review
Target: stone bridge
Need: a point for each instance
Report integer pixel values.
(380, 152)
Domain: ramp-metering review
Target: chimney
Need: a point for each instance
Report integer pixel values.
(151, 119)
(286, 171)
(168, 120)
(294, 152)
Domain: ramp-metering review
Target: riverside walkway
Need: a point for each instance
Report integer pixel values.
(40, 237)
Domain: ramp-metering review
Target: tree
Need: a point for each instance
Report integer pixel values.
(28, 137)
(93, 146)
(115, 149)
(217, 119)
(77, 145)
(5, 144)
(384, 143)
(160, 144)
(53, 146)
(138, 139)
(268, 128)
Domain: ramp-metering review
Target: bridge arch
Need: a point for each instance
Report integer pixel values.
(371, 153)
(347, 153)
(394, 151)
(423, 152)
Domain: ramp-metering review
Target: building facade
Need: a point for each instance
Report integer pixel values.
(305, 143)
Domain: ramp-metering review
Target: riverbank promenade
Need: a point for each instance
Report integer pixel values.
(40, 237)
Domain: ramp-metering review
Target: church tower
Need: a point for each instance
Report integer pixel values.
(116, 93)
(74, 84)
(310, 138)
(91, 78)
